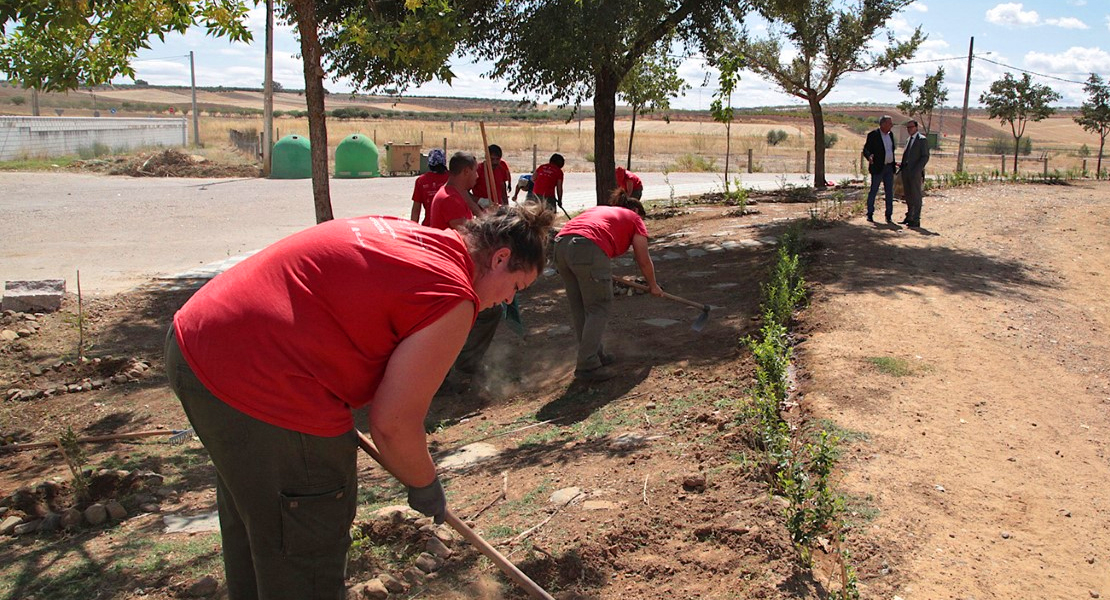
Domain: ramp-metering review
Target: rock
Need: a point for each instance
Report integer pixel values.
(205, 586)
(414, 576)
(467, 456)
(425, 562)
(23, 332)
(35, 370)
(28, 527)
(133, 374)
(391, 583)
(50, 523)
(96, 514)
(150, 507)
(8, 524)
(12, 394)
(71, 518)
(1094, 594)
(4, 510)
(149, 478)
(8, 335)
(694, 482)
(438, 548)
(116, 511)
(44, 295)
(395, 514)
(119, 378)
(96, 384)
(598, 505)
(1006, 535)
(445, 534)
(374, 590)
(565, 495)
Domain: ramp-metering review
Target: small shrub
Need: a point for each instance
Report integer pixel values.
(1083, 150)
(20, 100)
(97, 149)
(776, 136)
(694, 163)
(589, 157)
(830, 140)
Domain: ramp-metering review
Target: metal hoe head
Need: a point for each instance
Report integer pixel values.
(703, 318)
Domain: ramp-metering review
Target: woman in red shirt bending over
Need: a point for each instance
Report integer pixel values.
(270, 358)
(584, 250)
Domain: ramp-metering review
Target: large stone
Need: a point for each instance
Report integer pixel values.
(466, 456)
(50, 522)
(425, 562)
(203, 587)
(391, 583)
(437, 547)
(8, 335)
(8, 524)
(43, 295)
(396, 514)
(116, 511)
(71, 518)
(96, 514)
(565, 495)
(28, 527)
(370, 590)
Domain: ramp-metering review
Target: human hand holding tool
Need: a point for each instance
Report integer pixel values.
(429, 500)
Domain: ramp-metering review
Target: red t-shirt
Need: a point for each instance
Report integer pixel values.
(425, 189)
(300, 333)
(501, 179)
(610, 227)
(546, 178)
(448, 205)
(625, 176)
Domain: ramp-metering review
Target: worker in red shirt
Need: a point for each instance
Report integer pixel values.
(547, 182)
(453, 205)
(270, 358)
(501, 179)
(426, 186)
(630, 182)
(584, 249)
(450, 211)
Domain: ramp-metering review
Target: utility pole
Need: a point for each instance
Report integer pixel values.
(963, 122)
(196, 117)
(268, 92)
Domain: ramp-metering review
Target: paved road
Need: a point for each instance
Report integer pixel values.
(121, 232)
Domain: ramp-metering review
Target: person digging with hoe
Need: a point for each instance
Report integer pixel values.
(270, 357)
(584, 249)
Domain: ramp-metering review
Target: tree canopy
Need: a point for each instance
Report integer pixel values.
(60, 45)
(811, 45)
(1016, 102)
(651, 84)
(1094, 114)
(923, 100)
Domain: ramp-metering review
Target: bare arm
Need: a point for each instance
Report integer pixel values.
(415, 370)
(415, 215)
(559, 193)
(643, 260)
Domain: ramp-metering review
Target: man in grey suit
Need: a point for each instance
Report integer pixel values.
(914, 159)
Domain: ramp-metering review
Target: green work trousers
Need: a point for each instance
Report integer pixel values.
(587, 274)
(286, 499)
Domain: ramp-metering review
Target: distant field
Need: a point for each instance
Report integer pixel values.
(683, 143)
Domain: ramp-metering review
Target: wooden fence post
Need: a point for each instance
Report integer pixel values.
(1004, 163)
(1046, 165)
(749, 160)
(809, 157)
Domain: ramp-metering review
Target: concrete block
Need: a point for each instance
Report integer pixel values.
(43, 295)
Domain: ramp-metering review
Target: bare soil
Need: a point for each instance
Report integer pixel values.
(964, 365)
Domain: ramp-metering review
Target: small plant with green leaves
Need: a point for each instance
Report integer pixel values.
(776, 137)
(891, 365)
(75, 460)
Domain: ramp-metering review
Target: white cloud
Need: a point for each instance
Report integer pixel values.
(1067, 23)
(919, 7)
(1070, 63)
(1012, 15)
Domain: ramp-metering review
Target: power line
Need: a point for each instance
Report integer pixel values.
(160, 58)
(1030, 72)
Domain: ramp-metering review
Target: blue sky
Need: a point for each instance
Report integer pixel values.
(1064, 39)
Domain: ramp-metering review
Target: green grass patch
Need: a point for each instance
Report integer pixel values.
(37, 164)
(891, 365)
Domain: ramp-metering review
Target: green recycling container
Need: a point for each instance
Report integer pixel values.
(291, 158)
(356, 157)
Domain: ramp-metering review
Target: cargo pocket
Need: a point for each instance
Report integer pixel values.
(315, 523)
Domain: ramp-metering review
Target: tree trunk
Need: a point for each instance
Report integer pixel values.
(1017, 148)
(728, 145)
(605, 113)
(631, 133)
(818, 142)
(314, 95)
(1098, 169)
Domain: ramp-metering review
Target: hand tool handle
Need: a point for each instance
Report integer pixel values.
(482, 545)
(644, 288)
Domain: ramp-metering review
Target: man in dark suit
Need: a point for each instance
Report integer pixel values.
(914, 159)
(879, 152)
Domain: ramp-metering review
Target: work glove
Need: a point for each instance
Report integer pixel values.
(429, 500)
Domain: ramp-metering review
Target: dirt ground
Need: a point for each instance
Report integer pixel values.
(964, 365)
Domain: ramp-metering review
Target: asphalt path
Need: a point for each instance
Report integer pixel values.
(121, 232)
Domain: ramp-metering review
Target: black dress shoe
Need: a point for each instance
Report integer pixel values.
(870, 219)
(913, 224)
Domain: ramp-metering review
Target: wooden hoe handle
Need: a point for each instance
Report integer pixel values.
(482, 545)
(644, 288)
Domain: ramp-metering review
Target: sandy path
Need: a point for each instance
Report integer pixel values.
(987, 463)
